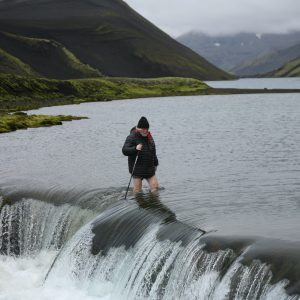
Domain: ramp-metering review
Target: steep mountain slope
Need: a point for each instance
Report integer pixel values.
(10, 64)
(231, 52)
(269, 62)
(290, 69)
(107, 35)
(46, 57)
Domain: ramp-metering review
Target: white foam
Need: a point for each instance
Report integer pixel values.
(23, 278)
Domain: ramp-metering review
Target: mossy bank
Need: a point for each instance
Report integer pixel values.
(24, 93)
(15, 121)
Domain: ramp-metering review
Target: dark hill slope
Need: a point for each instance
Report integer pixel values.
(46, 57)
(108, 35)
(10, 64)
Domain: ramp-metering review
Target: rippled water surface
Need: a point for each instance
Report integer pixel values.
(230, 163)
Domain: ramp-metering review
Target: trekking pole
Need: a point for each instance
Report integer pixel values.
(132, 174)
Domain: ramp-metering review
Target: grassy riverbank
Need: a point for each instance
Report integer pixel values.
(19, 93)
(24, 93)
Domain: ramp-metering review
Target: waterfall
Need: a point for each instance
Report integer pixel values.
(30, 225)
(133, 250)
(154, 269)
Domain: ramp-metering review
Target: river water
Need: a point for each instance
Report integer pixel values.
(226, 163)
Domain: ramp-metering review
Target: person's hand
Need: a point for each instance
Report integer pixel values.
(139, 147)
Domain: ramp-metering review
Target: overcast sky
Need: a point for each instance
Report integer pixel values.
(221, 16)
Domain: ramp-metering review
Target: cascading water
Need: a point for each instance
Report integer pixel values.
(130, 250)
(31, 225)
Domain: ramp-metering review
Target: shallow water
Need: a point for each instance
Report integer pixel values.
(230, 163)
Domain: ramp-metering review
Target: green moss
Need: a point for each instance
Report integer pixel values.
(75, 64)
(12, 122)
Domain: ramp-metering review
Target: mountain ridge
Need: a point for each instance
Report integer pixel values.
(230, 52)
(108, 36)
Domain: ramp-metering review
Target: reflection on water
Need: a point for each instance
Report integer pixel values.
(151, 202)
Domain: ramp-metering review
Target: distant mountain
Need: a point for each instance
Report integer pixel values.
(106, 36)
(230, 52)
(290, 69)
(269, 62)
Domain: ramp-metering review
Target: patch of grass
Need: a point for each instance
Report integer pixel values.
(20, 120)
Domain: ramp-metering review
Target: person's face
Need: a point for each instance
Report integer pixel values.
(143, 131)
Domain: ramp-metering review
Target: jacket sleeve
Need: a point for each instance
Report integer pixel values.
(129, 147)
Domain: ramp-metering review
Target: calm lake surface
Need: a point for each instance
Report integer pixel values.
(254, 83)
(230, 163)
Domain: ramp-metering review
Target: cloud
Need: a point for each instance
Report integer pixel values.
(221, 16)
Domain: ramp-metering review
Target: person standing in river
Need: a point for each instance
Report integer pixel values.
(140, 142)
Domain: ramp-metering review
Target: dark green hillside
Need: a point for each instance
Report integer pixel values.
(291, 69)
(46, 57)
(107, 35)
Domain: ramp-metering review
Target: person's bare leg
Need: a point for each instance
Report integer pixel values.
(137, 184)
(153, 183)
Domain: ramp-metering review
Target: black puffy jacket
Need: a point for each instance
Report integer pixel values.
(147, 160)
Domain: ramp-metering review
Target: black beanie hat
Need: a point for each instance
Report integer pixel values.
(143, 123)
